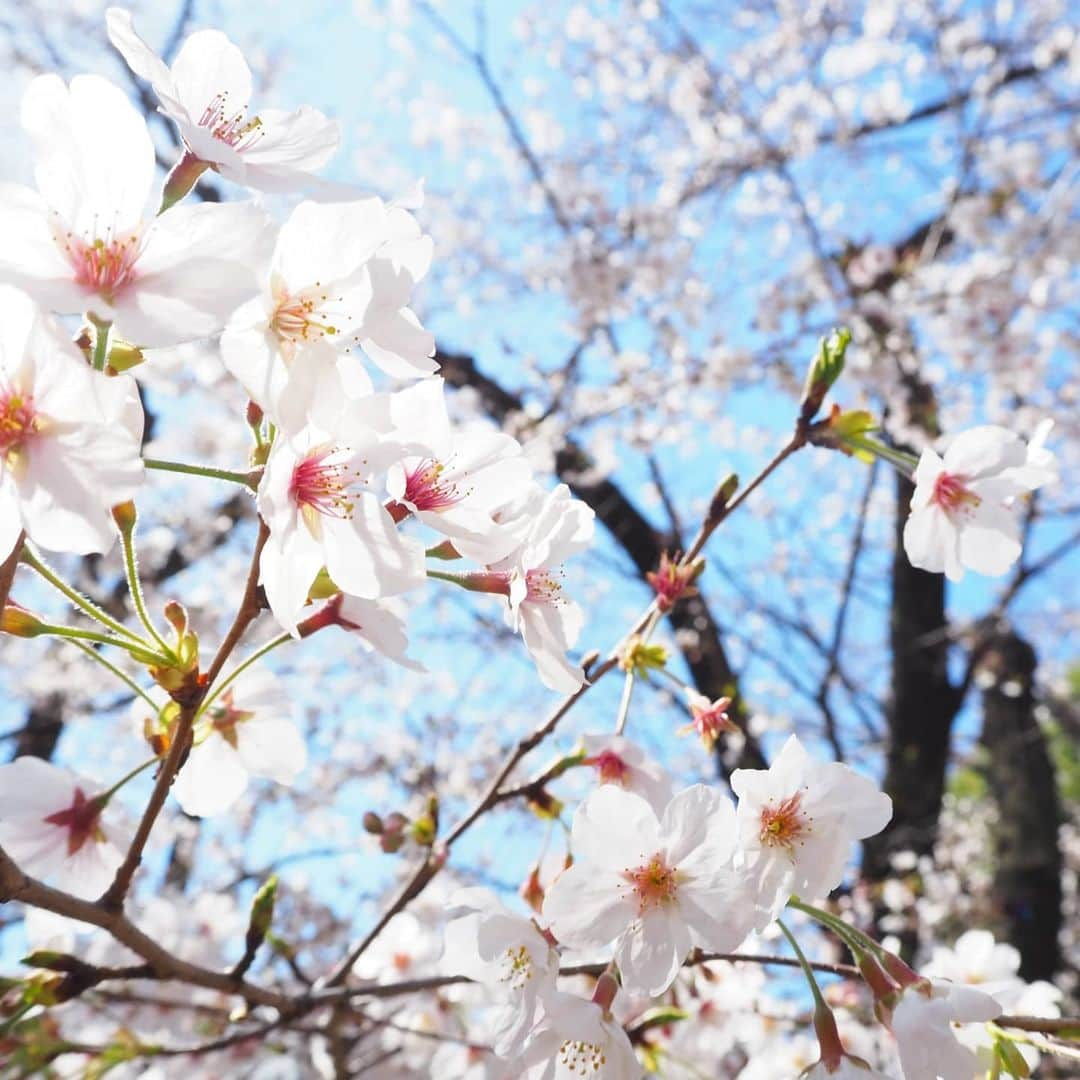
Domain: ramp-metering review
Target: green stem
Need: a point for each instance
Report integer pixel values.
(122, 676)
(200, 470)
(105, 796)
(807, 970)
(855, 939)
(101, 343)
(75, 634)
(229, 679)
(131, 568)
(906, 463)
(673, 677)
(35, 562)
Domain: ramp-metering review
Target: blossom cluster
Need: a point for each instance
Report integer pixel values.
(362, 482)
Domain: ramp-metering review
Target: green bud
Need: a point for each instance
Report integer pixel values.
(825, 369)
(262, 913)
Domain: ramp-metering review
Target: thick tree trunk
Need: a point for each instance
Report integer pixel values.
(922, 706)
(1027, 871)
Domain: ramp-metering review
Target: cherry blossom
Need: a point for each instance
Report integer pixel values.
(83, 241)
(52, 824)
(379, 625)
(578, 1038)
(923, 1022)
(457, 485)
(315, 497)
(617, 760)
(797, 821)
(207, 94)
(245, 732)
(657, 885)
(507, 953)
(548, 620)
(69, 436)
(340, 274)
(977, 960)
(965, 512)
(709, 719)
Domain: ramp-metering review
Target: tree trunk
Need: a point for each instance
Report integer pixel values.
(1027, 870)
(921, 709)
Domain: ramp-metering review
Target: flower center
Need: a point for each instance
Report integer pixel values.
(784, 824)
(231, 128)
(654, 883)
(80, 819)
(543, 588)
(321, 486)
(105, 265)
(952, 495)
(612, 768)
(303, 316)
(225, 717)
(710, 719)
(427, 490)
(582, 1058)
(18, 421)
(518, 965)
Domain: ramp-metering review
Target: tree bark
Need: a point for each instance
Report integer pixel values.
(922, 705)
(1027, 869)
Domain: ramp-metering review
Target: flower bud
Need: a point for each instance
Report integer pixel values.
(825, 369)
(253, 415)
(125, 516)
(722, 496)
(544, 805)
(671, 581)
(372, 823)
(177, 617)
(20, 622)
(262, 913)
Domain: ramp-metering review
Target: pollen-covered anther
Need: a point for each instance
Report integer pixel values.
(233, 129)
(518, 965)
(953, 495)
(323, 486)
(306, 315)
(543, 588)
(583, 1058)
(18, 420)
(784, 824)
(654, 883)
(426, 489)
(104, 264)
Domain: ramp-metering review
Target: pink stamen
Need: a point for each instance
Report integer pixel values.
(426, 490)
(654, 882)
(323, 486)
(542, 588)
(107, 266)
(612, 768)
(233, 130)
(18, 420)
(784, 825)
(952, 494)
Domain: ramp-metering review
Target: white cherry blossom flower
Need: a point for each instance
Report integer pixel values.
(315, 496)
(69, 436)
(341, 274)
(797, 821)
(658, 886)
(207, 95)
(507, 953)
(965, 512)
(990, 966)
(619, 761)
(379, 625)
(922, 1022)
(83, 242)
(548, 620)
(460, 479)
(244, 733)
(52, 825)
(578, 1038)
